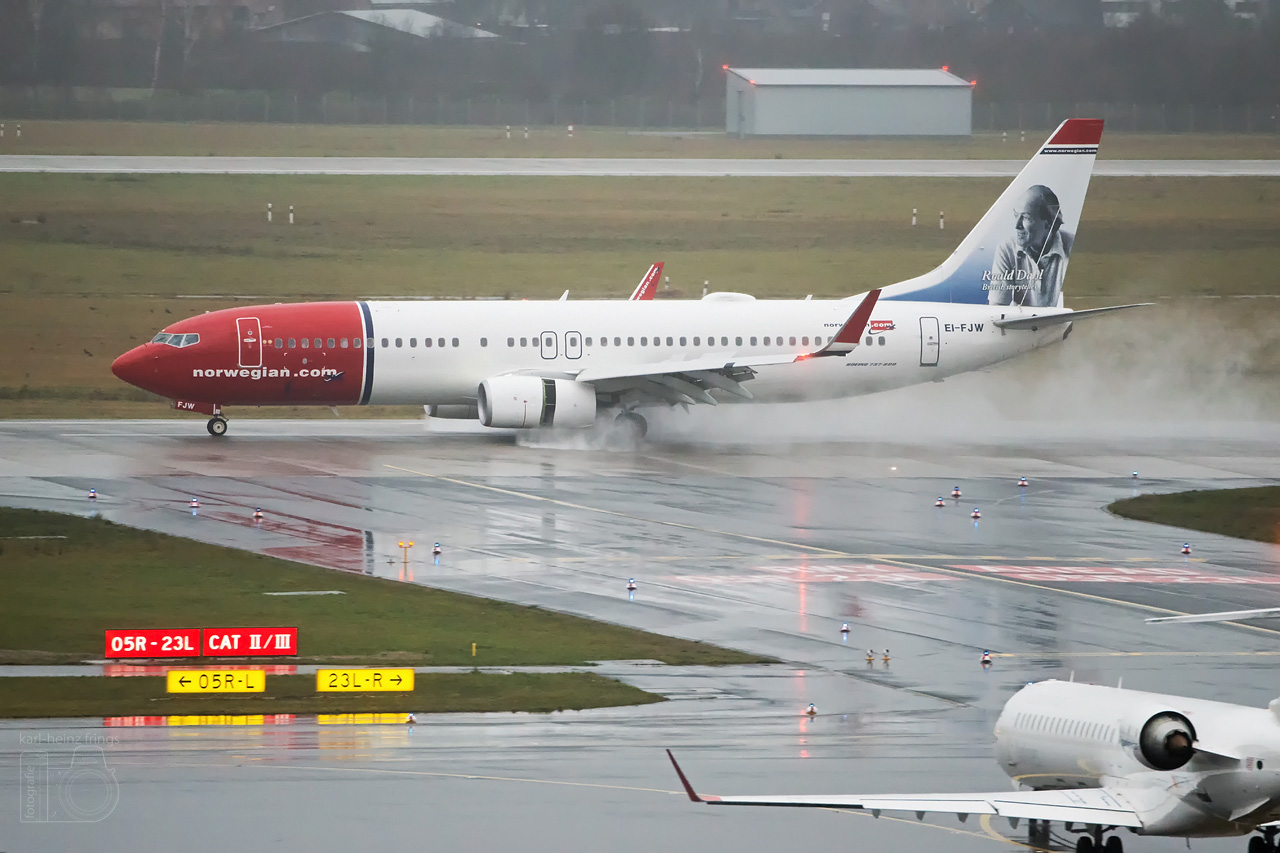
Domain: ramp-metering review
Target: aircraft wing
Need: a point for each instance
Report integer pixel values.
(690, 380)
(648, 285)
(1221, 616)
(1083, 805)
(1056, 316)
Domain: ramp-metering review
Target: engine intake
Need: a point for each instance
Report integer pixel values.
(1167, 741)
(525, 402)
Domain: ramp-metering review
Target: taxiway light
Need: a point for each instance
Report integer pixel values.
(811, 710)
(93, 494)
(1135, 475)
(870, 656)
(195, 503)
(1022, 481)
(435, 549)
(955, 493)
(844, 627)
(940, 501)
(986, 658)
(1186, 547)
(976, 513)
(410, 720)
(257, 513)
(886, 655)
(631, 584)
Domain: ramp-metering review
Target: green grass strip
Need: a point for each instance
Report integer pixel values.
(61, 594)
(1242, 513)
(295, 694)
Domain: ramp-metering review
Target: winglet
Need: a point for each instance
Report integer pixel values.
(688, 789)
(851, 332)
(648, 285)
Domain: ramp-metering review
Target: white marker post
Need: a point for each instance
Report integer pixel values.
(1, 130)
(666, 282)
(705, 285)
(290, 214)
(19, 133)
(508, 131)
(941, 224)
(913, 217)
(1004, 137)
(526, 132)
(268, 211)
(571, 131)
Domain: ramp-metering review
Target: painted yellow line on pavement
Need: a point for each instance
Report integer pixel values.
(616, 514)
(1087, 596)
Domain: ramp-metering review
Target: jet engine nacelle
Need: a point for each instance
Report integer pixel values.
(1166, 741)
(525, 402)
(468, 412)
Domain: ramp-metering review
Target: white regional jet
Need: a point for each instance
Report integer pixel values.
(528, 364)
(1102, 759)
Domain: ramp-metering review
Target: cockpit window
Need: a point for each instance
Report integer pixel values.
(176, 340)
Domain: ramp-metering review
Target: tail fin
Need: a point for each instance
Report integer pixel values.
(1017, 253)
(648, 285)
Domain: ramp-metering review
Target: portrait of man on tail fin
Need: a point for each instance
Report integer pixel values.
(1029, 266)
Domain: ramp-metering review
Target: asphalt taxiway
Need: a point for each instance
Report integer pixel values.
(752, 543)
(607, 167)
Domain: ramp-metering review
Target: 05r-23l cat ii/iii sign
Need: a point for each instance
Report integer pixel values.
(531, 364)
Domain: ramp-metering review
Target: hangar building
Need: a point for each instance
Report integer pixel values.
(847, 102)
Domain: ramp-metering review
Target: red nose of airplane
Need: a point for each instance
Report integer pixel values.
(132, 366)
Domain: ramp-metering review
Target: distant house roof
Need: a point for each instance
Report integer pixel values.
(320, 27)
(418, 23)
(849, 77)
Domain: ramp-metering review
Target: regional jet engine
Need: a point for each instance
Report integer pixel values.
(1166, 741)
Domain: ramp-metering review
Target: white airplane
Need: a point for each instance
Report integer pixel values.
(1102, 759)
(529, 364)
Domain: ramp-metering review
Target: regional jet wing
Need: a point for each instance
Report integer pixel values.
(1098, 806)
(1057, 316)
(648, 285)
(1221, 616)
(691, 380)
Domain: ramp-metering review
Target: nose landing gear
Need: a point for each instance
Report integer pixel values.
(217, 426)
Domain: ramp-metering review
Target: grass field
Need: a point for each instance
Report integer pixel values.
(1243, 513)
(61, 594)
(206, 139)
(296, 694)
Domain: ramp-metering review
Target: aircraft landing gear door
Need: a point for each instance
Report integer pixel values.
(572, 345)
(249, 331)
(549, 345)
(930, 342)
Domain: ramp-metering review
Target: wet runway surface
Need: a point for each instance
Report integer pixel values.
(757, 546)
(607, 167)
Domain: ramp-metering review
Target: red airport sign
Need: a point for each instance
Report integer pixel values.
(196, 642)
(153, 643)
(246, 642)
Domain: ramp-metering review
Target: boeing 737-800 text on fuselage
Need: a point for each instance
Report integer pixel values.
(563, 363)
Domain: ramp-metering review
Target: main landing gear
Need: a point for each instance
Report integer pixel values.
(1091, 841)
(217, 426)
(633, 423)
(1265, 843)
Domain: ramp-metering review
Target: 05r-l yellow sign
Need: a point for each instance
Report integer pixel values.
(216, 681)
(363, 680)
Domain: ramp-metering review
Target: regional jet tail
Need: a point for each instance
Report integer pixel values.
(563, 364)
(1100, 759)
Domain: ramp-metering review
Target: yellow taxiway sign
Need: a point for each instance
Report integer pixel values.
(363, 680)
(216, 681)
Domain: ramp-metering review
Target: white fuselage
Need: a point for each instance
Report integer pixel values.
(905, 343)
(1062, 735)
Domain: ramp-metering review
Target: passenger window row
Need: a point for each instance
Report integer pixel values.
(670, 341)
(321, 343)
(871, 341)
